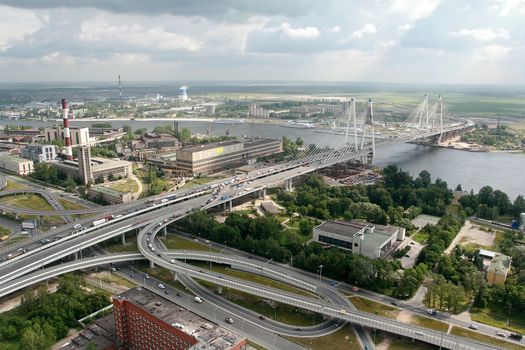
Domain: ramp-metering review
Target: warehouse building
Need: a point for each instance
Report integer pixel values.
(95, 168)
(209, 158)
(109, 195)
(360, 237)
(79, 136)
(145, 320)
(16, 164)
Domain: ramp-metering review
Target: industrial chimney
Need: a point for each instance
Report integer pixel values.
(67, 133)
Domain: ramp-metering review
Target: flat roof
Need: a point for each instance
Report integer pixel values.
(487, 253)
(378, 237)
(207, 146)
(108, 190)
(15, 159)
(209, 334)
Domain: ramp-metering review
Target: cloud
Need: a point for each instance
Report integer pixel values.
(368, 28)
(334, 29)
(509, 7)
(496, 52)
(415, 9)
(136, 35)
(483, 34)
(299, 33)
(15, 24)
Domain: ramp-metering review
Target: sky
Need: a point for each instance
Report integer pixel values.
(399, 41)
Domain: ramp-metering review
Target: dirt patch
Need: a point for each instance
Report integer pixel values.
(385, 344)
(404, 316)
(472, 233)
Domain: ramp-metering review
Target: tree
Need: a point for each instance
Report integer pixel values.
(299, 141)
(92, 345)
(33, 338)
(518, 206)
(305, 227)
(127, 128)
(184, 135)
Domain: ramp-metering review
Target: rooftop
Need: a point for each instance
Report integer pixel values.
(207, 146)
(348, 229)
(209, 334)
(9, 158)
(107, 190)
(500, 263)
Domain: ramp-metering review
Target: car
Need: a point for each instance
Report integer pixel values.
(501, 334)
(261, 317)
(431, 312)
(516, 336)
(336, 324)
(134, 271)
(355, 289)
(407, 256)
(473, 326)
(298, 329)
(394, 303)
(132, 275)
(178, 294)
(419, 333)
(45, 241)
(166, 292)
(147, 276)
(113, 269)
(228, 320)
(412, 243)
(161, 286)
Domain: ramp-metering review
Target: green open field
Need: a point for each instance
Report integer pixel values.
(467, 333)
(373, 307)
(68, 205)
(196, 181)
(498, 318)
(420, 237)
(343, 339)
(129, 185)
(176, 242)
(253, 278)
(31, 201)
(130, 246)
(270, 309)
(4, 231)
(13, 185)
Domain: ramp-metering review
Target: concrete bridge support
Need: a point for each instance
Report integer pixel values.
(123, 238)
(288, 185)
(165, 231)
(151, 264)
(262, 193)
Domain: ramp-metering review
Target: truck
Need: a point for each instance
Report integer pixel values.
(98, 222)
(4, 238)
(198, 300)
(516, 336)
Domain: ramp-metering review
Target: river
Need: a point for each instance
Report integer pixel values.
(503, 171)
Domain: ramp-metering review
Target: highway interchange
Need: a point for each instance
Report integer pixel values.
(148, 217)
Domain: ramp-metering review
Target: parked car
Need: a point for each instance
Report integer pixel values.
(228, 320)
(473, 326)
(501, 334)
(432, 312)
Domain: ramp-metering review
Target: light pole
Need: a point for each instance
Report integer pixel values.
(209, 246)
(320, 272)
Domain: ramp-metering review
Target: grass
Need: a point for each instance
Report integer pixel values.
(113, 278)
(420, 236)
(196, 181)
(130, 246)
(429, 323)
(462, 332)
(282, 312)
(498, 318)
(28, 201)
(129, 185)
(255, 345)
(13, 185)
(248, 276)
(373, 307)
(68, 205)
(178, 242)
(14, 240)
(343, 339)
(4, 231)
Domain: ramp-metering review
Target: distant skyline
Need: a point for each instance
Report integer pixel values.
(398, 41)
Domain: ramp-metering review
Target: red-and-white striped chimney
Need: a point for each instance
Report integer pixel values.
(67, 133)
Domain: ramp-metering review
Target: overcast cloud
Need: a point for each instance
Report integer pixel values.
(413, 41)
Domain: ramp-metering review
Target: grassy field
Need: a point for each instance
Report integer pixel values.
(196, 181)
(176, 242)
(368, 305)
(113, 278)
(68, 205)
(4, 231)
(429, 323)
(498, 318)
(343, 339)
(128, 185)
(130, 246)
(462, 332)
(14, 240)
(13, 185)
(420, 237)
(29, 201)
(253, 278)
(270, 309)
(255, 345)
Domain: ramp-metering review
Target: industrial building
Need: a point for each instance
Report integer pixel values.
(79, 136)
(209, 158)
(498, 269)
(310, 110)
(258, 112)
(360, 237)
(16, 164)
(89, 168)
(109, 195)
(145, 320)
(39, 153)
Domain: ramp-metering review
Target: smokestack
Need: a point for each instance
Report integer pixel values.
(67, 134)
(119, 88)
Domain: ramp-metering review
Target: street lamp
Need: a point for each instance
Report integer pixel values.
(209, 246)
(320, 272)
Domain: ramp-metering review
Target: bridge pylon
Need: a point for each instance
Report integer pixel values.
(440, 111)
(368, 124)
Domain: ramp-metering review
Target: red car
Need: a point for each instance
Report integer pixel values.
(355, 289)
